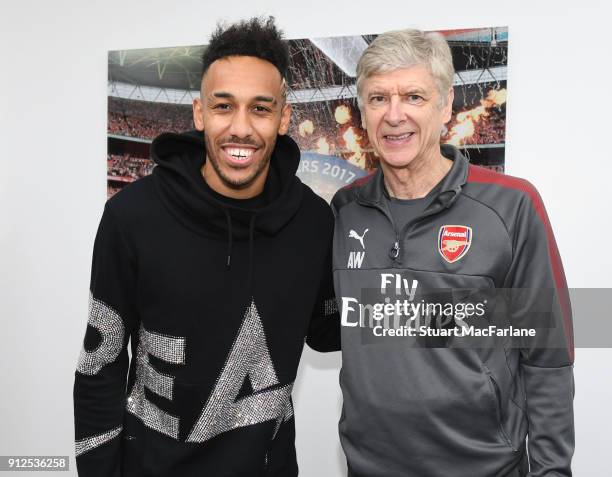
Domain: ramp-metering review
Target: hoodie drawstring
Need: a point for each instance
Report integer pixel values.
(229, 237)
(251, 252)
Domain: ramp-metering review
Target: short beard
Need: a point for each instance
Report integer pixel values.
(229, 182)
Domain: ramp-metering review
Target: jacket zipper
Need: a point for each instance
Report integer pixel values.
(394, 253)
(395, 249)
(407, 229)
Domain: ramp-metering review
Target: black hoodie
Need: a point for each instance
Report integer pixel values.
(217, 297)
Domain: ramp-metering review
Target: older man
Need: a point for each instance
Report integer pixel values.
(426, 400)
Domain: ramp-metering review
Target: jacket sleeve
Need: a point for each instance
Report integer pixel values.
(100, 378)
(540, 300)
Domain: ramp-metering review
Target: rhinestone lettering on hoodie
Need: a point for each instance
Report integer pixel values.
(249, 357)
(110, 326)
(167, 348)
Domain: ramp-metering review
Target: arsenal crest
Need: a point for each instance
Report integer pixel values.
(454, 241)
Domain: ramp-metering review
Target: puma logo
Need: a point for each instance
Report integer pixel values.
(356, 236)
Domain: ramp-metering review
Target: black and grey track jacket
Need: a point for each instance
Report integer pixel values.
(437, 405)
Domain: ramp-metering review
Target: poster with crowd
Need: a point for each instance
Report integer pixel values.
(150, 91)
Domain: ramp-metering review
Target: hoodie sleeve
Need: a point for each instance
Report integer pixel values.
(100, 378)
(540, 300)
(324, 329)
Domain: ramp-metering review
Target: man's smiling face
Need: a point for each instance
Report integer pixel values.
(404, 114)
(241, 111)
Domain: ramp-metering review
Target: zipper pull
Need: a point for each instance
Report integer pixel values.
(394, 253)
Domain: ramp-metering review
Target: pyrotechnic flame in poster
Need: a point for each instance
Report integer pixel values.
(351, 138)
(306, 128)
(497, 96)
(461, 131)
(322, 146)
(342, 114)
(466, 120)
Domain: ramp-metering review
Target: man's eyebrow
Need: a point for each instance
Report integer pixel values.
(378, 90)
(412, 89)
(223, 95)
(261, 98)
(265, 99)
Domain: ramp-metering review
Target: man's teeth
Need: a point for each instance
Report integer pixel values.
(239, 153)
(400, 137)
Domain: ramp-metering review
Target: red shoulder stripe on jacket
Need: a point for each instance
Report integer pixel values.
(483, 175)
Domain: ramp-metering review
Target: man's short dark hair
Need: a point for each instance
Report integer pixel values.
(258, 37)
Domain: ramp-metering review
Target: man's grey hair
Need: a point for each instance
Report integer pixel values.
(404, 48)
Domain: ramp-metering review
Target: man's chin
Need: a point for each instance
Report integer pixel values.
(237, 177)
(397, 159)
(238, 183)
(241, 180)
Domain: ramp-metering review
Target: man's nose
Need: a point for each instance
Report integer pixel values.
(241, 123)
(394, 114)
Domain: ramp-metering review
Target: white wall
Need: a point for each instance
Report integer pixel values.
(52, 180)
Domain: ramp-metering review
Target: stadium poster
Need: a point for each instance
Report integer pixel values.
(150, 91)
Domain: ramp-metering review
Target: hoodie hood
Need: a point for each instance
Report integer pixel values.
(179, 159)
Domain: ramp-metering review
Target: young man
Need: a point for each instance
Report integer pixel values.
(216, 268)
(440, 231)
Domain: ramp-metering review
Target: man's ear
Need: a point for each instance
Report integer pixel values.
(285, 119)
(448, 107)
(198, 117)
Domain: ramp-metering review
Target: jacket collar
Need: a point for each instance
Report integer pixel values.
(373, 192)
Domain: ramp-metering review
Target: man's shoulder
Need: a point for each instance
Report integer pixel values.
(133, 199)
(348, 193)
(315, 204)
(504, 182)
(499, 190)
(514, 200)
